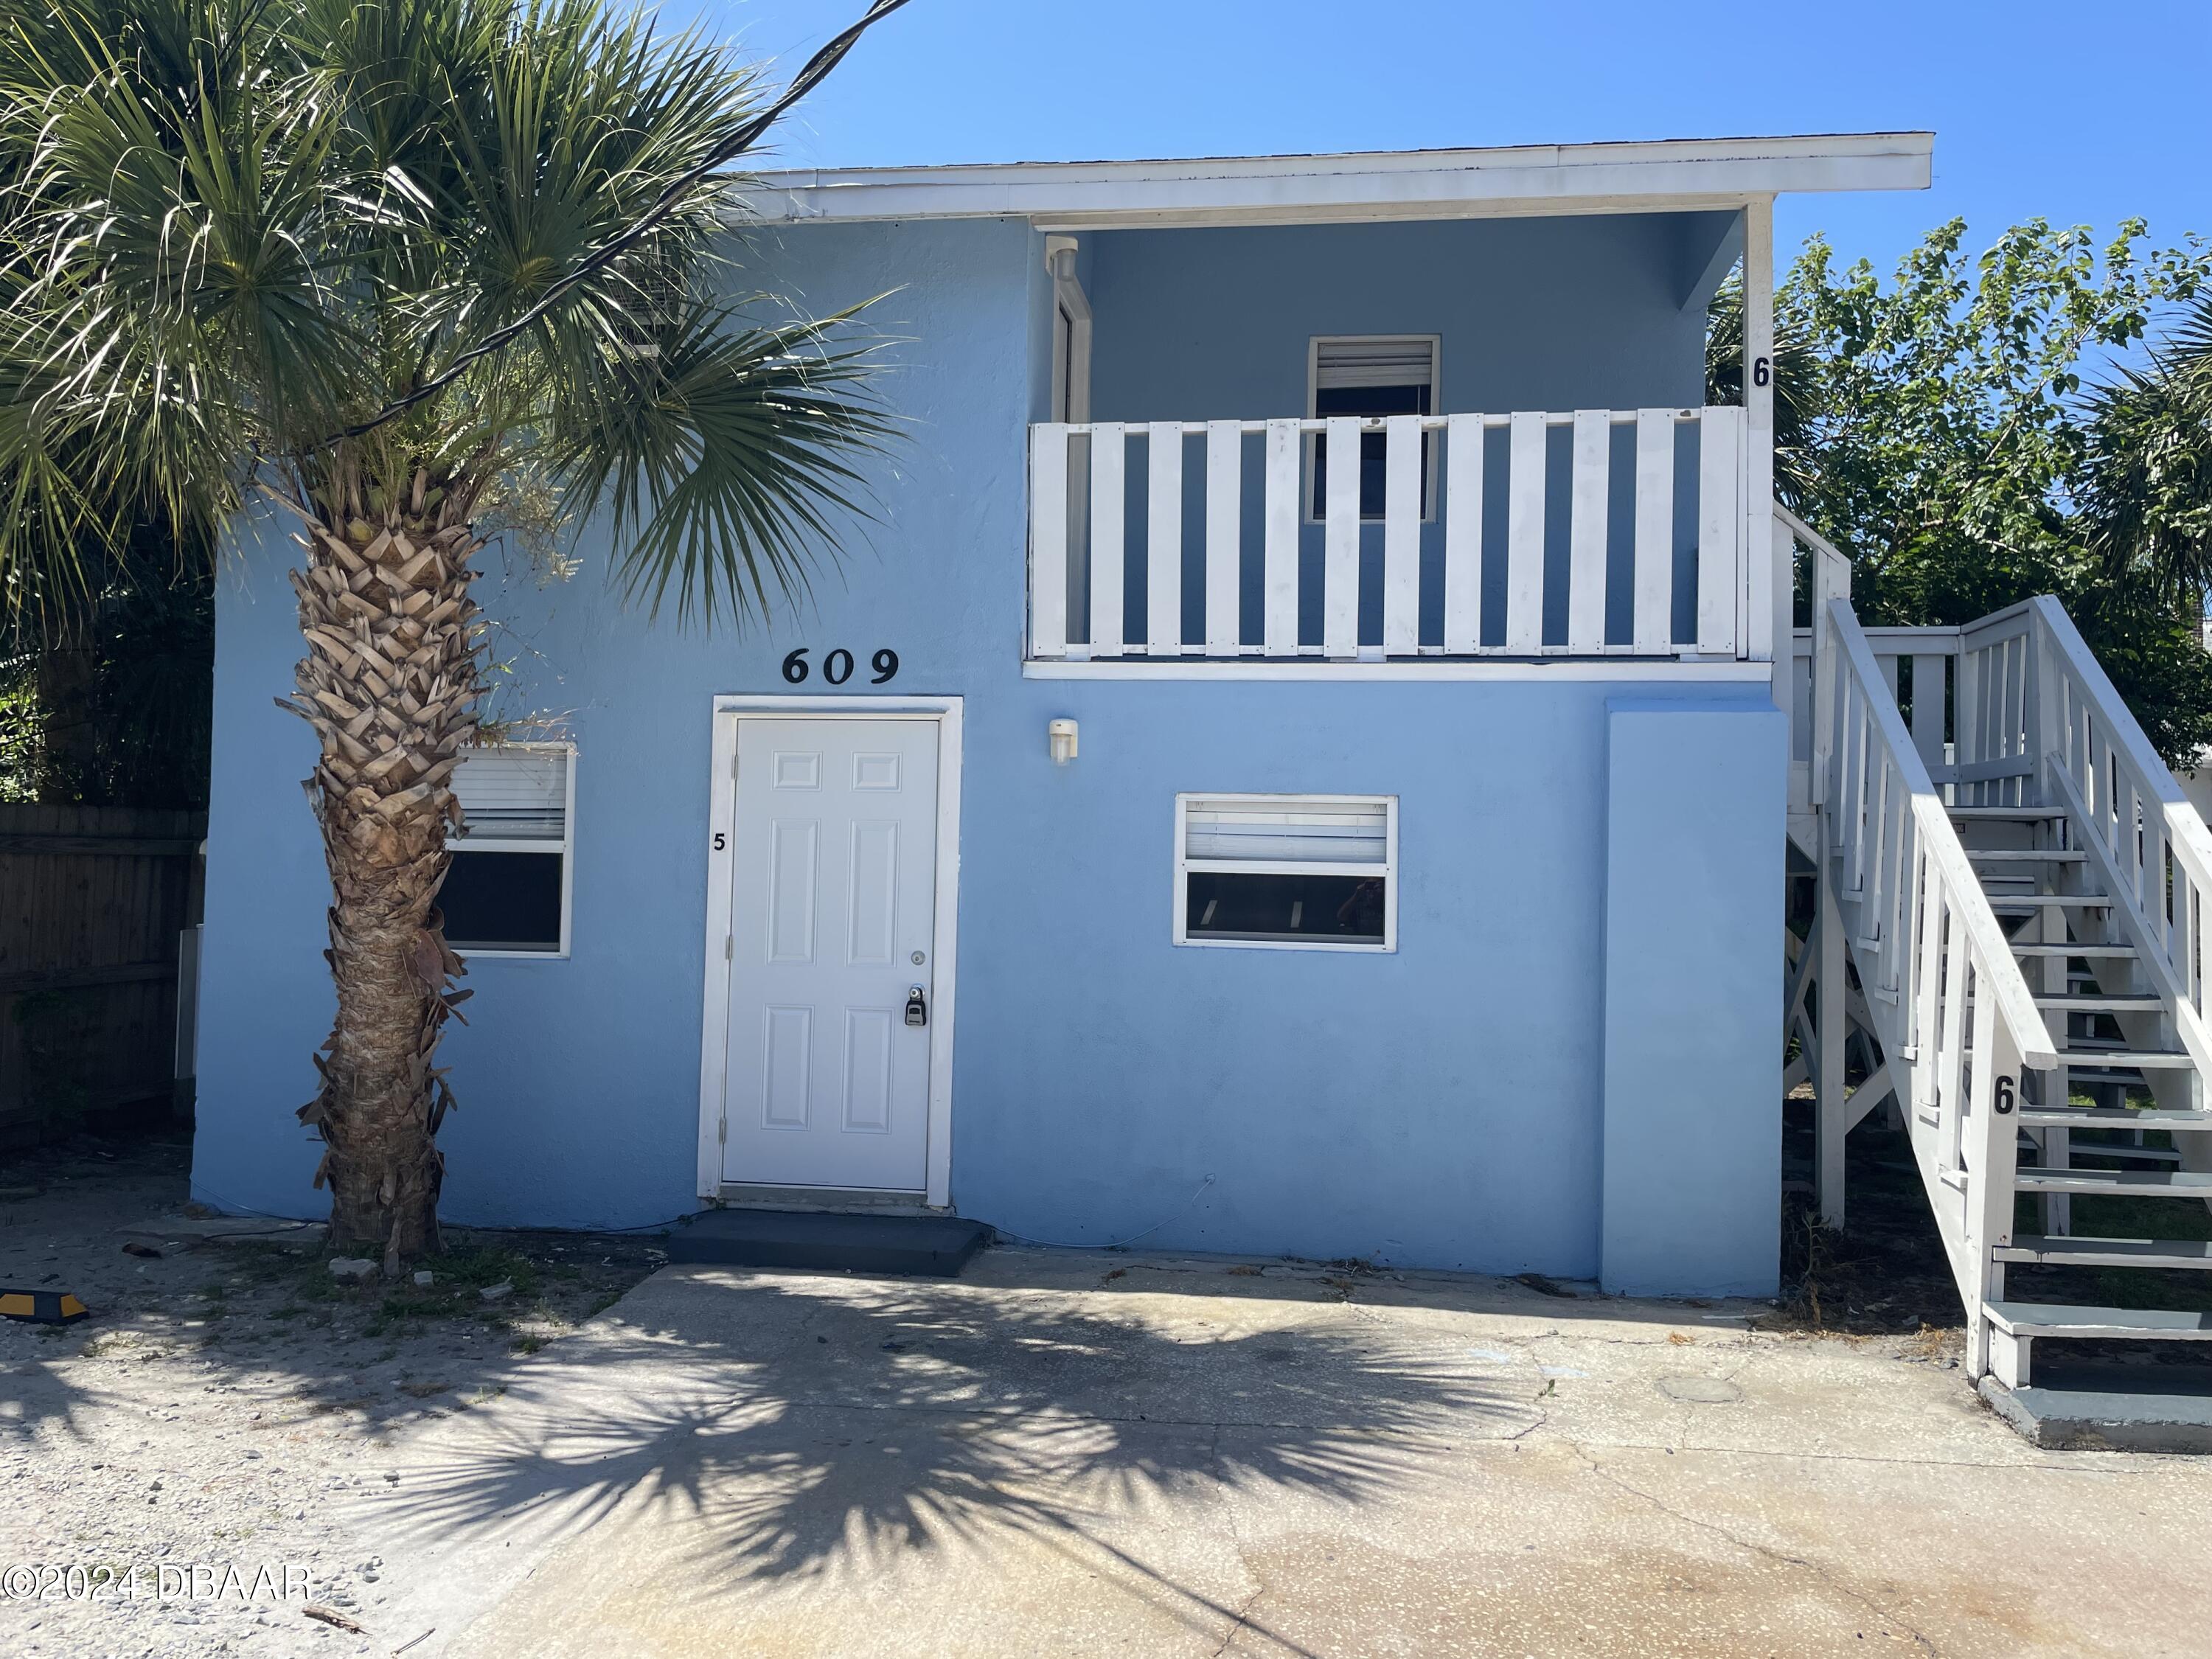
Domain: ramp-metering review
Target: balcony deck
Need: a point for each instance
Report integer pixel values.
(1628, 536)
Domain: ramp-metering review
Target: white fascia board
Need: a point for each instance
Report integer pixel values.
(1675, 174)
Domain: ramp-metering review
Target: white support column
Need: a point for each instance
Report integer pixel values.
(1832, 1119)
(1830, 579)
(1765, 638)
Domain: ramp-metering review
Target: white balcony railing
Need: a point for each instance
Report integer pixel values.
(1656, 557)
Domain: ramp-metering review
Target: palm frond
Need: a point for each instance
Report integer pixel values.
(726, 455)
(2146, 488)
(455, 234)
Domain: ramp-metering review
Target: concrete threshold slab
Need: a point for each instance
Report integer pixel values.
(2112, 1407)
(933, 1246)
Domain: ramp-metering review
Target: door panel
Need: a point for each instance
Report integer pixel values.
(791, 843)
(874, 894)
(832, 898)
(868, 1080)
(785, 1064)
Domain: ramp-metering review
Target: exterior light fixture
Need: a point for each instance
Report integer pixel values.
(1061, 736)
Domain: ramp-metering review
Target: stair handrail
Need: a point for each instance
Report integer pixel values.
(1836, 626)
(1989, 951)
(2129, 800)
(1949, 1003)
(1922, 925)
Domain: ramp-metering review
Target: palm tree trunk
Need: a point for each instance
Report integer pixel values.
(389, 685)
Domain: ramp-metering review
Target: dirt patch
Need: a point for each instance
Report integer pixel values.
(1885, 1274)
(227, 1391)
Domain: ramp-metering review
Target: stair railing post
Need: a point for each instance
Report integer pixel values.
(1831, 582)
(2046, 735)
(2046, 719)
(1831, 1013)
(1992, 1131)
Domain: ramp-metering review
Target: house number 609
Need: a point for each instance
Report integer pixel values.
(837, 666)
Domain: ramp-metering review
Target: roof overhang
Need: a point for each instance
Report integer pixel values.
(1670, 175)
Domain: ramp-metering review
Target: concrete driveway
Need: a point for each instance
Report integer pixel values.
(1065, 1454)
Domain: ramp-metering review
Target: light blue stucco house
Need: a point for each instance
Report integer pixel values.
(1295, 764)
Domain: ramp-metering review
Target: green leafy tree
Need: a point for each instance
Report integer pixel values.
(370, 270)
(1939, 428)
(105, 690)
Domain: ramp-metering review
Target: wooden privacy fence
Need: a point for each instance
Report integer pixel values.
(95, 903)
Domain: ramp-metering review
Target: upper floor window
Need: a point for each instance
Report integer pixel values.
(1370, 375)
(506, 891)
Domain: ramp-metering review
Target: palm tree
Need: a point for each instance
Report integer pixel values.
(360, 266)
(1797, 382)
(2146, 490)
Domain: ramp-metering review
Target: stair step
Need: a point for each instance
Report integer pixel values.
(2123, 1151)
(2098, 1074)
(2072, 948)
(2076, 1252)
(2015, 814)
(2065, 1319)
(2154, 1059)
(2025, 855)
(2050, 901)
(2139, 1154)
(927, 1246)
(2156, 1183)
(2104, 1117)
(2097, 1002)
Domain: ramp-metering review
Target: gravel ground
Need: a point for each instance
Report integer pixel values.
(224, 1398)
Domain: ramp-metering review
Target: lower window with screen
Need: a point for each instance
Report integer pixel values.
(1289, 908)
(506, 888)
(1311, 871)
(502, 901)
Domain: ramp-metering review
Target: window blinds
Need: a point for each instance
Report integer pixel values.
(509, 792)
(1383, 359)
(1287, 830)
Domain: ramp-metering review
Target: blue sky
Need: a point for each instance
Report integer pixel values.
(2082, 113)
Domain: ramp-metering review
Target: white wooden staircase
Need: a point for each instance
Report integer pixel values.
(2018, 885)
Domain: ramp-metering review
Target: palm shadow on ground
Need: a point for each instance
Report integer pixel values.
(854, 1423)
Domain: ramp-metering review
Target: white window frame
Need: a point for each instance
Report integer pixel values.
(566, 847)
(1314, 344)
(1186, 866)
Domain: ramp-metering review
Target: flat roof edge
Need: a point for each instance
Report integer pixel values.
(1571, 177)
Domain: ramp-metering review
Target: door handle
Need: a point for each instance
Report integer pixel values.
(917, 1007)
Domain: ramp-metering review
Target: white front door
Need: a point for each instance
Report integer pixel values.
(834, 862)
